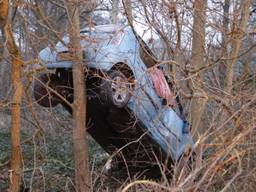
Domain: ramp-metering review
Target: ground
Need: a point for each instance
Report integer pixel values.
(48, 163)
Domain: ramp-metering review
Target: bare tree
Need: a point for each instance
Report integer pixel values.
(16, 64)
(4, 9)
(3, 16)
(79, 104)
(114, 12)
(16, 109)
(225, 31)
(238, 31)
(128, 10)
(198, 42)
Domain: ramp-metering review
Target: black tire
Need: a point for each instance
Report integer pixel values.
(42, 90)
(115, 94)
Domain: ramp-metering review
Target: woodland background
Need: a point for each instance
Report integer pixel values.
(213, 45)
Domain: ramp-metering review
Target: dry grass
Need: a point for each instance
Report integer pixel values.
(227, 149)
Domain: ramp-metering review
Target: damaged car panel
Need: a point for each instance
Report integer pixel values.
(121, 79)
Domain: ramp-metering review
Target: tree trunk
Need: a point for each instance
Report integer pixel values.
(4, 9)
(128, 11)
(224, 34)
(17, 64)
(237, 34)
(5, 73)
(199, 98)
(79, 106)
(114, 12)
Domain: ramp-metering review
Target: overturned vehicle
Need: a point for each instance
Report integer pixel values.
(129, 104)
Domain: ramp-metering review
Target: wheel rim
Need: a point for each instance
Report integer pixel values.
(120, 89)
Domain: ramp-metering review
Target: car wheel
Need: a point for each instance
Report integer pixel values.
(43, 94)
(116, 89)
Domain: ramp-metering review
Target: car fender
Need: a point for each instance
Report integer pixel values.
(106, 58)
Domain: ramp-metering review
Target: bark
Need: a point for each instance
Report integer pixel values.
(114, 12)
(173, 13)
(225, 31)
(128, 11)
(5, 75)
(237, 34)
(177, 54)
(2, 41)
(199, 98)
(4, 9)
(79, 106)
(17, 63)
(247, 57)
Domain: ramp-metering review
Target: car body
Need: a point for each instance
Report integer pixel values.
(104, 48)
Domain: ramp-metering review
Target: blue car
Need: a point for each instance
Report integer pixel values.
(124, 109)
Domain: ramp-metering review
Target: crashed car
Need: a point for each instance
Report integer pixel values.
(124, 111)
